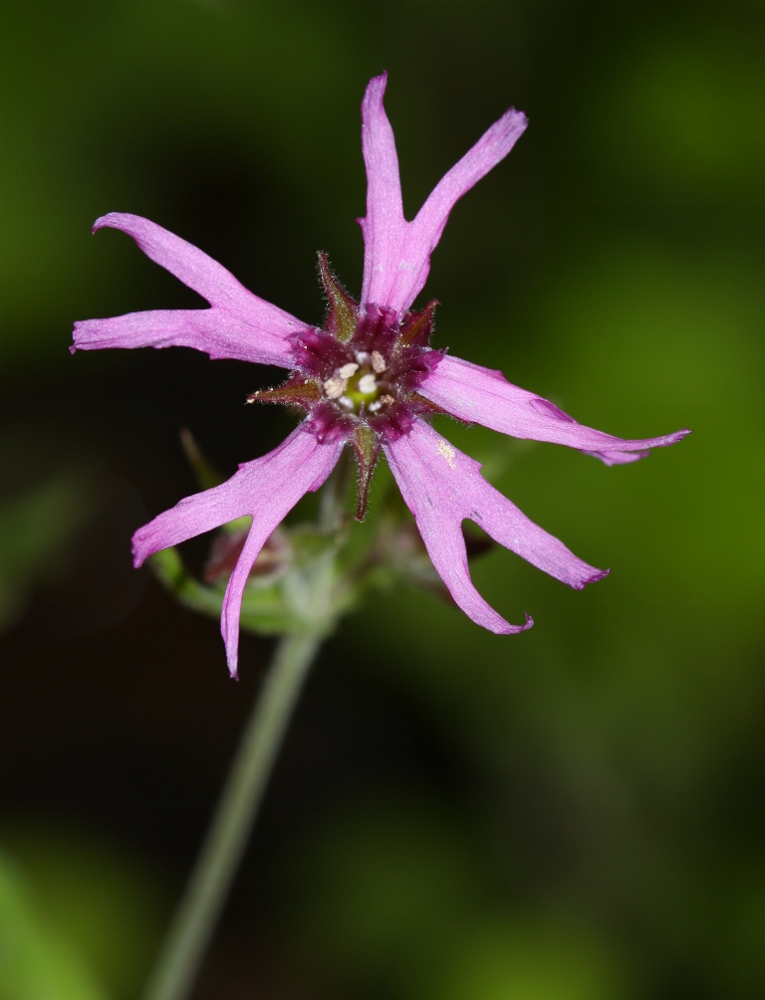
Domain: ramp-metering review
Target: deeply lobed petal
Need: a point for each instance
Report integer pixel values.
(397, 252)
(440, 484)
(238, 325)
(442, 487)
(267, 489)
(483, 395)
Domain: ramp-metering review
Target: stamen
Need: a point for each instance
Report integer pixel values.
(346, 403)
(362, 357)
(350, 369)
(387, 400)
(335, 387)
(367, 383)
(378, 363)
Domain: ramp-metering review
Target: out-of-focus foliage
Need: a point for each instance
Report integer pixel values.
(34, 960)
(78, 917)
(574, 812)
(35, 528)
(396, 887)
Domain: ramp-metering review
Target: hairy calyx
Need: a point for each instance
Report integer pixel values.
(360, 373)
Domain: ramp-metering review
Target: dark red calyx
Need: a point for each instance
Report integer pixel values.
(297, 390)
(343, 310)
(417, 327)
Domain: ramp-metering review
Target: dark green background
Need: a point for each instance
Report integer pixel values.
(575, 813)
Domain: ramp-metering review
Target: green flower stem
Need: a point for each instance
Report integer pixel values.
(197, 915)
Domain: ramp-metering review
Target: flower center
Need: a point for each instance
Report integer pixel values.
(361, 386)
(362, 371)
(359, 376)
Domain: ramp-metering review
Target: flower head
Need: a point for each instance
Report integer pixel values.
(367, 380)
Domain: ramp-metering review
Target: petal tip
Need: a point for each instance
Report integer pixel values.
(115, 220)
(140, 550)
(103, 222)
(373, 95)
(378, 82)
(519, 118)
(77, 338)
(584, 581)
(599, 574)
(515, 629)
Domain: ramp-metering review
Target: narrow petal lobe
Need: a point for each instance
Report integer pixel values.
(422, 235)
(384, 224)
(482, 395)
(397, 252)
(442, 487)
(239, 325)
(267, 489)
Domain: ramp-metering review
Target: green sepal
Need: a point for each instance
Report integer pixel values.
(297, 390)
(367, 449)
(343, 310)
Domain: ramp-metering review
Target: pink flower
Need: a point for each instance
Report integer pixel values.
(368, 379)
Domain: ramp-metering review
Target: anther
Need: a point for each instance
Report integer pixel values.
(367, 383)
(350, 369)
(378, 363)
(335, 387)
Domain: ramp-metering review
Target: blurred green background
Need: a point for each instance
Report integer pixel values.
(575, 813)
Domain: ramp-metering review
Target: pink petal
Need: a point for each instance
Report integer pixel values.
(396, 252)
(422, 235)
(239, 324)
(384, 224)
(267, 489)
(209, 330)
(472, 393)
(442, 487)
